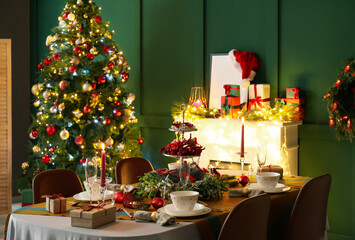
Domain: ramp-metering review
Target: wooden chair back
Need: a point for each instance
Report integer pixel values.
(129, 170)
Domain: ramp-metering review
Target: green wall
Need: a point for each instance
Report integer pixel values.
(299, 43)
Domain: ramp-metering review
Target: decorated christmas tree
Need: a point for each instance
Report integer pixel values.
(82, 97)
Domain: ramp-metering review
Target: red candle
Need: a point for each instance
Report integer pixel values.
(103, 166)
(242, 140)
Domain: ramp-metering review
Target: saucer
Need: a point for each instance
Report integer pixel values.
(198, 210)
(84, 196)
(278, 189)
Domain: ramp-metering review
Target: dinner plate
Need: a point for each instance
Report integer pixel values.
(278, 189)
(198, 210)
(84, 196)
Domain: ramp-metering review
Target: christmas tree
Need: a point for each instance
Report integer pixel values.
(82, 97)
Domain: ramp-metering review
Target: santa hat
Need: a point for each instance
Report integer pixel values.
(244, 62)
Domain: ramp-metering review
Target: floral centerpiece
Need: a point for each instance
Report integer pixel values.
(183, 147)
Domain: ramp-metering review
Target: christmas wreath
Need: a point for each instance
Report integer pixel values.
(341, 101)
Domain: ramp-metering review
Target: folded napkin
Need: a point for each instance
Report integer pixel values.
(122, 188)
(160, 218)
(244, 192)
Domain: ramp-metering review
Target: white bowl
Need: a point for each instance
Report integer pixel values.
(267, 179)
(184, 200)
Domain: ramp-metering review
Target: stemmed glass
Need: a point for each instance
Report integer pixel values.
(91, 174)
(261, 154)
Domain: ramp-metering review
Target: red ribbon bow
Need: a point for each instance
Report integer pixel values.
(53, 196)
(257, 100)
(296, 90)
(227, 88)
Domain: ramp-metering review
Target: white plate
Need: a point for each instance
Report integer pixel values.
(278, 189)
(84, 196)
(198, 210)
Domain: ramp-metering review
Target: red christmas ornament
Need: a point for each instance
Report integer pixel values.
(50, 130)
(106, 48)
(77, 50)
(62, 85)
(116, 112)
(34, 133)
(125, 75)
(347, 68)
(90, 56)
(73, 40)
(81, 29)
(66, 14)
(40, 66)
(82, 161)
(334, 107)
(72, 69)
(337, 83)
(87, 109)
(243, 180)
(157, 203)
(118, 197)
(140, 141)
(344, 118)
(101, 80)
(331, 122)
(88, 46)
(111, 64)
(98, 19)
(46, 159)
(52, 149)
(93, 85)
(107, 121)
(94, 94)
(56, 56)
(127, 200)
(38, 171)
(348, 124)
(79, 140)
(47, 61)
(117, 103)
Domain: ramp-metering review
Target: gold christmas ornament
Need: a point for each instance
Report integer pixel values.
(71, 17)
(35, 89)
(126, 118)
(37, 103)
(75, 61)
(61, 106)
(77, 113)
(24, 165)
(109, 141)
(87, 87)
(46, 95)
(53, 109)
(131, 96)
(93, 50)
(85, 15)
(118, 91)
(64, 134)
(101, 107)
(39, 114)
(36, 149)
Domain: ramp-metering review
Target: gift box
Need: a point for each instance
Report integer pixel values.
(232, 90)
(93, 216)
(292, 92)
(26, 197)
(56, 203)
(259, 96)
(272, 168)
(296, 104)
(230, 106)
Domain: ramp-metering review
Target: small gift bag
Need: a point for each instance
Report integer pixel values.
(55, 203)
(259, 96)
(93, 216)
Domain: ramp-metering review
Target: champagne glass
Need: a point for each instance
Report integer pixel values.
(91, 174)
(261, 154)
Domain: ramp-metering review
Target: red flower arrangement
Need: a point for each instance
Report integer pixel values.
(185, 147)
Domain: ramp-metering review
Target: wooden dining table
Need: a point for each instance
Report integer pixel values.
(37, 220)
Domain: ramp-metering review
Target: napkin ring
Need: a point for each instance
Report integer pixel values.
(153, 216)
(122, 187)
(245, 192)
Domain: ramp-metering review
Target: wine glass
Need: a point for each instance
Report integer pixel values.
(261, 154)
(91, 174)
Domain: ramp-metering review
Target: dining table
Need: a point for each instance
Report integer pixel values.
(34, 222)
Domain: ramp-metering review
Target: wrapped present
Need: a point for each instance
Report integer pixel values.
(259, 96)
(26, 197)
(293, 92)
(232, 90)
(230, 106)
(272, 168)
(55, 203)
(295, 103)
(92, 216)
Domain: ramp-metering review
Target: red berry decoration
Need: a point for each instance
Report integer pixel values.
(101, 80)
(50, 130)
(335, 106)
(79, 140)
(46, 159)
(117, 103)
(348, 124)
(34, 133)
(38, 171)
(331, 122)
(347, 68)
(243, 180)
(56, 56)
(337, 83)
(93, 85)
(90, 56)
(52, 149)
(111, 64)
(72, 69)
(82, 161)
(77, 50)
(157, 203)
(116, 112)
(107, 121)
(98, 19)
(140, 141)
(87, 109)
(47, 61)
(66, 14)
(125, 75)
(106, 48)
(40, 66)
(118, 197)
(94, 94)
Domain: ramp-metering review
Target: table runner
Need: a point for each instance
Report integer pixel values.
(209, 225)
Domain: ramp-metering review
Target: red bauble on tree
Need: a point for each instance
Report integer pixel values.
(56, 56)
(106, 48)
(337, 83)
(243, 180)
(82, 161)
(46, 159)
(98, 19)
(347, 68)
(117, 103)
(348, 124)
(77, 50)
(118, 197)
(90, 56)
(111, 64)
(72, 69)
(140, 141)
(125, 75)
(52, 149)
(50, 130)
(47, 61)
(93, 85)
(34, 133)
(157, 202)
(116, 112)
(66, 14)
(101, 80)
(331, 122)
(40, 66)
(79, 140)
(335, 105)
(87, 109)
(107, 121)
(94, 94)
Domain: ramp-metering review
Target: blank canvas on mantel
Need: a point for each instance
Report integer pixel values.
(223, 72)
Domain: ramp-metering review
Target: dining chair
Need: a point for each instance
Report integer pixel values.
(308, 217)
(247, 220)
(56, 181)
(128, 170)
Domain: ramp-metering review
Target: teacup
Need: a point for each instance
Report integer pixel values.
(184, 200)
(267, 179)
